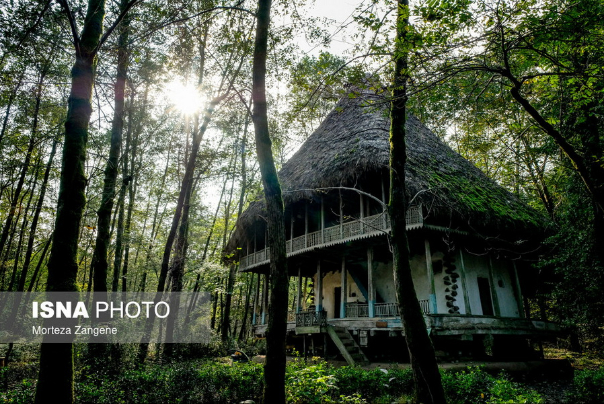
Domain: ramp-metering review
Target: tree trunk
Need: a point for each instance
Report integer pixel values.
(99, 257)
(34, 223)
(274, 369)
(428, 385)
(55, 381)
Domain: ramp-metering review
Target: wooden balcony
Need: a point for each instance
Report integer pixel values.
(349, 231)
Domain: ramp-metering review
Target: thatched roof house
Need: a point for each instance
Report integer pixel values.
(352, 143)
(468, 234)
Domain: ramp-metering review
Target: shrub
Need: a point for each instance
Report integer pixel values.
(588, 386)
(476, 386)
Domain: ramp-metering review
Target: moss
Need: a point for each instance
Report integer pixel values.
(479, 198)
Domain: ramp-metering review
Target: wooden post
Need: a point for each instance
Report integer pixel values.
(319, 291)
(305, 224)
(344, 288)
(430, 273)
(517, 290)
(299, 291)
(322, 221)
(384, 202)
(362, 209)
(341, 213)
(464, 283)
(256, 300)
(264, 299)
(370, 288)
(494, 297)
(291, 229)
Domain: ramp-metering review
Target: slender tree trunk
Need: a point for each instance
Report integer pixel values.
(99, 258)
(22, 232)
(55, 381)
(274, 369)
(34, 223)
(9, 105)
(428, 385)
(246, 309)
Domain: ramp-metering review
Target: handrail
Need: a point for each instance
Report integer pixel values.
(371, 225)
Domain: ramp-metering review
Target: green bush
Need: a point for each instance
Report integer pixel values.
(588, 387)
(477, 386)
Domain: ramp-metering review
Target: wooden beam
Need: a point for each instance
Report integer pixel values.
(299, 291)
(430, 273)
(464, 283)
(264, 299)
(344, 288)
(517, 290)
(494, 296)
(322, 220)
(319, 288)
(370, 287)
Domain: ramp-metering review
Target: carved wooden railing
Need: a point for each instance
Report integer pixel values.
(386, 309)
(425, 305)
(348, 231)
(311, 318)
(357, 310)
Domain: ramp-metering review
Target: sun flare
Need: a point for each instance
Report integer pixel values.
(185, 98)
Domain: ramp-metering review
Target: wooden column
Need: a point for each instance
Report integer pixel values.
(299, 291)
(517, 290)
(319, 290)
(305, 224)
(370, 287)
(344, 288)
(265, 299)
(384, 201)
(291, 227)
(464, 283)
(362, 209)
(322, 220)
(430, 273)
(341, 213)
(256, 300)
(494, 297)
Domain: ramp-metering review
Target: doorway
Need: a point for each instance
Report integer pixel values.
(486, 301)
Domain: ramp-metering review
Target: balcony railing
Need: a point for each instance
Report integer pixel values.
(425, 305)
(368, 226)
(386, 309)
(311, 318)
(358, 310)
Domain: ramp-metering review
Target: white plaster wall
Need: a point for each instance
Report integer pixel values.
(420, 276)
(383, 281)
(475, 266)
(333, 280)
(440, 287)
(502, 271)
(330, 281)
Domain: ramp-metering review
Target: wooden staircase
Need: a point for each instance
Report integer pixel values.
(350, 350)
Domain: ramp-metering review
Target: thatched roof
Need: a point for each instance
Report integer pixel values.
(353, 140)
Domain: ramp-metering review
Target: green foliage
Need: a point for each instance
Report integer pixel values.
(474, 386)
(185, 382)
(317, 382)
(588, 387)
